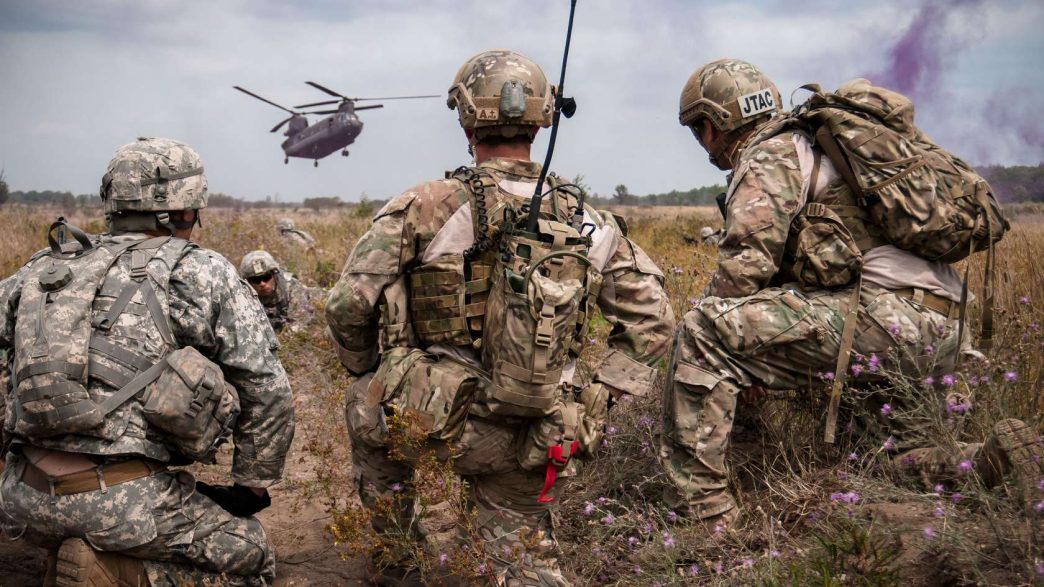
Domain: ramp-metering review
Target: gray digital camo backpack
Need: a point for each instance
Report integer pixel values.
(98, 310)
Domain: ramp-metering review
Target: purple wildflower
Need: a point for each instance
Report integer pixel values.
(929, 381)
(886, 409)
(929, 532)
(677, 270)
(894, 329)
(949, 380)
(939, 512)
(1039, 506)
(482, 568)
(668, 540)
(602, 501)
(648, 528)
(589, 508)
(632, 541)
(774, 553)
(965, 466)
(929, 350)
(1011, 376)
(889, 444)
(852, 456)
(828, 376)
(645, 447)
(611, 430)
(939, 488)
(748, 563)
(719, 567)
(1024, 300)
(694, 570)
(608, 520)
(397, 487)
(857, 369)
(645, 421)
(956, 497)
(850, 497)
(672, 516)
(443, 559)
(874, 363)
(637, 570)
(1040, 485)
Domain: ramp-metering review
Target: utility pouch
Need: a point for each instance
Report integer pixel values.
(595, 402)
(551, 442)
(534, 314)
(192, 404)
(825, 254)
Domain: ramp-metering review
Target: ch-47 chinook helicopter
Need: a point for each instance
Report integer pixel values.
(334, 132)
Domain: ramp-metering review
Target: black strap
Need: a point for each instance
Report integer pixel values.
(163, 174)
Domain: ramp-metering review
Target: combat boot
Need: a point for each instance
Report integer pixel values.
(79, 565)
(1012, 448)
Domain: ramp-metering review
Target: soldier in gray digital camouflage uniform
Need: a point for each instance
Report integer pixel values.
(298, 237)
(102, 499)
(287, 301)
(421, 261)
(755, 328)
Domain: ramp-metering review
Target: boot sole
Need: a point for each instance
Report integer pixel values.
(1025, 454)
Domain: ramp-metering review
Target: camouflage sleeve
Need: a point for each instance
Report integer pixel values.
(633, 300)
(765, 195)
(215, 311)
(353, 307)
(10, 289)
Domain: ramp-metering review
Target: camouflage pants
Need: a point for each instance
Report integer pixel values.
(787, 339)
(514, 529)
(183, 537)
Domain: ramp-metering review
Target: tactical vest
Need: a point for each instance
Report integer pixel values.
(507, 294)
(89, 320)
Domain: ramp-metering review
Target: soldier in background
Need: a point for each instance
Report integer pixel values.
(755, 328)
(102, 499)
(411, 262)
(709, 236)
(286, 300)
(298, 237)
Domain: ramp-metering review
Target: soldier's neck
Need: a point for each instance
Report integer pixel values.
(518, 151)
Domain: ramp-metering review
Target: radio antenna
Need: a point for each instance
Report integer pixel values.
(565, 106)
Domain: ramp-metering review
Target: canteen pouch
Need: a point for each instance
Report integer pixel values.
(550, 443)
(192, 404)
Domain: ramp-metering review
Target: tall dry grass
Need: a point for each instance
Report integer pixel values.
(612, 526)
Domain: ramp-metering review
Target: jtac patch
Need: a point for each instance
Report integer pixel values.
(487, 114)
(756, 103)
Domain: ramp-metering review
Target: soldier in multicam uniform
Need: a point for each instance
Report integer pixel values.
(103, 500)
(415, 244)
(286, 300)
(298, 237)
(755, 328)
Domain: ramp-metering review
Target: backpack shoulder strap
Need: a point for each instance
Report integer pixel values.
(480, 187)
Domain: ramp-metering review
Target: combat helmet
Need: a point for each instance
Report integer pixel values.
(149, 177)
(731, 93)
(501, 93)
(284, 224)
(257, 263)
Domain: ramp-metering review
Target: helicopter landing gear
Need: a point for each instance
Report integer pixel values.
(344, 152)
(286, 160)
(315, 163)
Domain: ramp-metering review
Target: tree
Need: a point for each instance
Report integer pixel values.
(4, 191)
(622, 195)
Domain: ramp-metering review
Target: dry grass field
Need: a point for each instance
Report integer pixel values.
(612, 526)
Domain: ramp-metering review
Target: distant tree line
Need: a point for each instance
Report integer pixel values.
(1016, 183)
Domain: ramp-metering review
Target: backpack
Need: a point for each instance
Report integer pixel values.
(81, 315)
(922, 198)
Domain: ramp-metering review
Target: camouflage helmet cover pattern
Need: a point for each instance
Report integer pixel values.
(730, 93)
(257, 263)
(501, 92)
(152, 175)
(284, 224)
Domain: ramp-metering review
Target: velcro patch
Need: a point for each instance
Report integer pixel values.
(756, 103)
(487, 114)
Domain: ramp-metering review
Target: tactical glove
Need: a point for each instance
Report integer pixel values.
(235, 499)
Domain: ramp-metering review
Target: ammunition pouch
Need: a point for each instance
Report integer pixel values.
(823, 251)
(192, 404)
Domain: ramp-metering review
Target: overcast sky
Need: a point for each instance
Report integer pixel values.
(80, 78)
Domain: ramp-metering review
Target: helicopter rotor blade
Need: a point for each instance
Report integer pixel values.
(280, 125)
(327, 90)
(324, 112)
(266, 100)
(358, 108)
(325, 103)
(401, 97)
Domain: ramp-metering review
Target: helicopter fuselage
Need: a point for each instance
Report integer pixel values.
(330, 134)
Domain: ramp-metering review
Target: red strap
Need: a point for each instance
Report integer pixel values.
(555, 459)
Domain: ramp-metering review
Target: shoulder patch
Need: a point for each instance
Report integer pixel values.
(756, 103)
